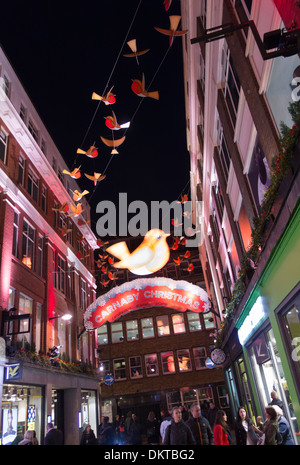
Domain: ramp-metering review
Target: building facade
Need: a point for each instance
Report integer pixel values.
(243, 136)
(47, 272)
(156, 356)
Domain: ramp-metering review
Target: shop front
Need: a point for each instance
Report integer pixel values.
(33, 397)
(264, 348)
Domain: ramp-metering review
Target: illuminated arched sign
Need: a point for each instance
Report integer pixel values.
(142, 293)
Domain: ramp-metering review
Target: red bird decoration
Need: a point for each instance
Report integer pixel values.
(138, 88)
(92, 152)
(172, 32)
(112, 123)
(108, 99)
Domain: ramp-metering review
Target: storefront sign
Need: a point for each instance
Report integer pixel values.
(143, 293)
(255, 316)
(260, 349)
(12, 372)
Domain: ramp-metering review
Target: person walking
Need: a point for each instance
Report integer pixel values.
(211, 414)
(106, 435)
(135, 431)
(269, 429)
(244, 433)
(200, 426)
(178, 433)
(88, 437)
(284, 428)
(29, 439)
(221, 429)
(54, 436)
(166, 421)
(152, 427)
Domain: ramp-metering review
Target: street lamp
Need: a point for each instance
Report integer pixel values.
(65, 316)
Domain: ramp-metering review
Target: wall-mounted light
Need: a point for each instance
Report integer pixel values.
(65, 316)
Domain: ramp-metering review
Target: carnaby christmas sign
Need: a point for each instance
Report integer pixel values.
(143, 293)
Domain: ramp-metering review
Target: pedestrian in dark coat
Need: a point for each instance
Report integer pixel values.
(135, 431)
(211, 414)
(88, 437)
(54, 436)
(152, 426)
(244, 432)
(106, 434)
(178, 433)
(200, 427)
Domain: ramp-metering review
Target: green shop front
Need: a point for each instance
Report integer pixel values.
(268, 333)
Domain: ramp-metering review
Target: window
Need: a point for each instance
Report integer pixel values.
(147, 327)
(25, 307)
(102, 334)
(199, 357)
(82, 293)
(28, 238)
(135, 364)
(119, 369)
(232, 83)
(44, 199)
(104, 367)
(178, 324)
(6, 85)
(163, 328)
(69, 281)
(117, 332)
(33, 131)
(40, 255)
(207, 323)
(151, 363)
(184, 360)
(167, 360)
(61, 283)
(54, 268)
(3, 145)
(23, 113)
(194, 321)
(43, 146)
(21, 173)
(60, 175)
(33, 185)
(15, 234)
(38, 327)
(132, 330)
(56, 213)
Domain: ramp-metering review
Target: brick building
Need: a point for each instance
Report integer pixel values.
(46, 271)
(157, 356)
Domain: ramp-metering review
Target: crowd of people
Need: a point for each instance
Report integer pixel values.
(193, 426)
(183, 426)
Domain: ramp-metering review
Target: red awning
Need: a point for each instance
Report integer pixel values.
(289, 12)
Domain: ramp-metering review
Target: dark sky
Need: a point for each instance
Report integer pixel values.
(63, 54)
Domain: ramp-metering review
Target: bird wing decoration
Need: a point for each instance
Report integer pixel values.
(112, 123)
(63, 208)
(92, 152)
(135, 53)
(150, 256)
(78, 195)
(76, 210)
(96, 177)
(113, 143)
(138, 87)
(172, 32)
(131, 261)
(108, 99)
(74, 174)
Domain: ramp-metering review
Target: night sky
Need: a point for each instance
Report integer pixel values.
(63, 55)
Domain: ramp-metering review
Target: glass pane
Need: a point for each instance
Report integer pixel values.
(132, 330)
(163, 325)
(168, 365)
(147, 327)
(102, 335)
(194, 321)
(117, 332)
(184, 361)
(151, 363)
(178, 324)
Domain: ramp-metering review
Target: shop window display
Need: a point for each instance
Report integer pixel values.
(21, 411)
